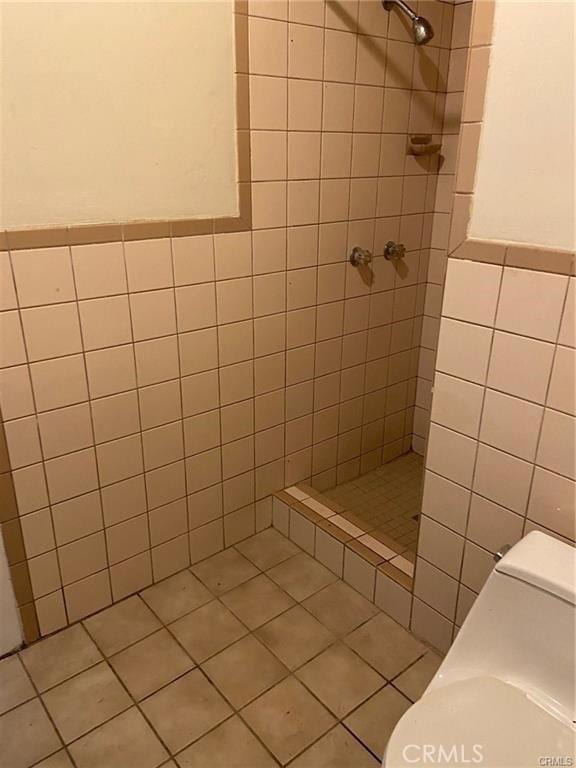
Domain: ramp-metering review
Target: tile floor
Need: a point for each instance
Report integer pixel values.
(387, 498)
(256, 657)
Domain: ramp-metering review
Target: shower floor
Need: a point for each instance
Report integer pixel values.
(387, 499)
(258, 656)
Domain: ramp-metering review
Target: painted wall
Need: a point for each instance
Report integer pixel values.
(116, 112)
(525, 177)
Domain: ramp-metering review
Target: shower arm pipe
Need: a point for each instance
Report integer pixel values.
(388, 4)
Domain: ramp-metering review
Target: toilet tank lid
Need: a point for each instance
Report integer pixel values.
(544, 562)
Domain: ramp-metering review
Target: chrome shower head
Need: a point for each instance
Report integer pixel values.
(422, 31)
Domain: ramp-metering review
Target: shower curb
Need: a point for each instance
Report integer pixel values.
(370, 562)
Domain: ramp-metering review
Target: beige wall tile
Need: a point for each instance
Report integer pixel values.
(16, 392)
(193, 259)
(37, 532)
(71, 475)
(471, 291)
(65, 430)
(478, 64)
(22, 442)
(491, 526)
(159, 404)
(511, 424)
(557, 445)
(156, 361)
(457, 404)
(502, 478)
(51, 613)
(88, 596)
(510, 354)
(82, 558)
(99, 270)
(154, 314)
(60, 382)
(116, 416)
(568, 326)
(8, 298)
(268, 44)
(110, 371)
(562, 391)
(43, 276)
(463, 350)
(268, 103)
(451, 455)
(552, 502)
(105, 322)
(531, 303)
(148, 264)
(125, 499)
(435, 588)
(51, 331)
(30, 488)
(119, 459)
(127, 539)
(77, 518)
(163, 445)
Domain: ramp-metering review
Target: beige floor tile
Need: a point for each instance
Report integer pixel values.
(224, 571)
(58, 760)
(185, 710)
(295, 637)
(26, 736)
(244, 671)
(375, 720)
(85, 701)
(151, 663)
(15, 685)
(174, 597)
(340, 679)
(267, 548)
(385, 645)
(338, 749)
(257, 601)
(121, 625)
(231, 745)
(53, 660)
(340, 608)
(126, 741)
(414, 681)
(301, 576)
(207, 630)
(287, 719)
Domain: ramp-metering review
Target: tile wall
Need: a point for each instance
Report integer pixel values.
(446, 182)
(501, 453)
(155, 391)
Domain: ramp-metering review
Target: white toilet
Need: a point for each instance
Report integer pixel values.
(504, 694)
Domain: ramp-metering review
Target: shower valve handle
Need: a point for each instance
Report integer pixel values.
(394, 251)
(360, 257)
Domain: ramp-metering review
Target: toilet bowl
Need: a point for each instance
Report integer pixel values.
(504, 694)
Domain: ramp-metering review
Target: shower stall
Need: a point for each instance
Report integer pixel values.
(202, 367)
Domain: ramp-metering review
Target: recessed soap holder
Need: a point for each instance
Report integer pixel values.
(421, 144)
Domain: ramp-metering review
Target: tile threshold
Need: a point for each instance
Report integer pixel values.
(390, 558)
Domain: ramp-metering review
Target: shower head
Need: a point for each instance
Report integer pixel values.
(422, 31)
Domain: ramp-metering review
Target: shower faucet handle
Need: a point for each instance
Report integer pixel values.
(394, 251)
(360, 257)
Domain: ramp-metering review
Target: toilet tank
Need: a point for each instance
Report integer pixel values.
(521, 629)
